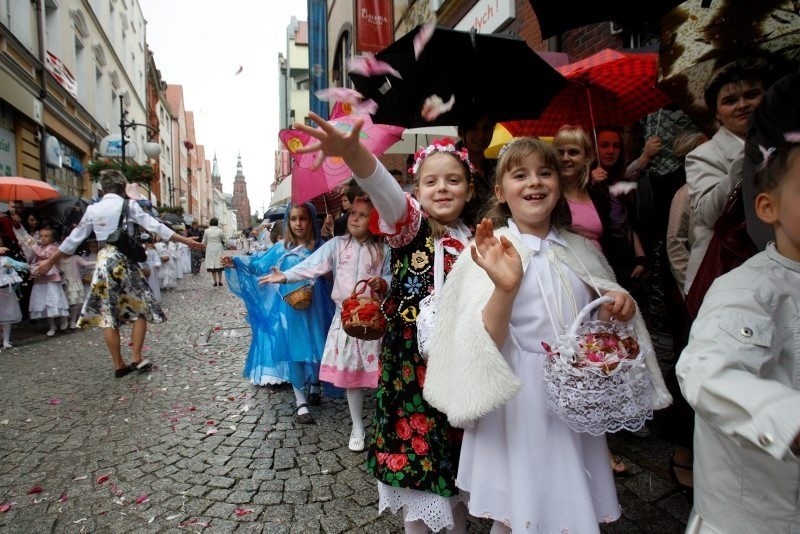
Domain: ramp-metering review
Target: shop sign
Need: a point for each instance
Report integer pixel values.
(488, 16)
(373, 25)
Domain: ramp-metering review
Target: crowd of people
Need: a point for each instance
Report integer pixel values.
(550, 226)
(471, 277)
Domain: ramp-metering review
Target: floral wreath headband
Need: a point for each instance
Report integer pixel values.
(444, 144)
(507, 146)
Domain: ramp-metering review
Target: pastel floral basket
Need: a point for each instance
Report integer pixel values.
(595, 379)
(362, 317)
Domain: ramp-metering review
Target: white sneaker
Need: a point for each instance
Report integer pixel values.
(356, 442)
(8, 346)
(51, 332)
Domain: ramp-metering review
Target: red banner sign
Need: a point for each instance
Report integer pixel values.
(373, 25)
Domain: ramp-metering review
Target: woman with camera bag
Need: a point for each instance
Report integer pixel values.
(119, 293)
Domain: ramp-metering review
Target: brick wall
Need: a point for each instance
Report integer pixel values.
(587, 40)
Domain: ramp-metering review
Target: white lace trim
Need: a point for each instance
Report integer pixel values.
(434, 510)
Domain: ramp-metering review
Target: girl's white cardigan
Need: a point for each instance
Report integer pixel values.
(467, 376)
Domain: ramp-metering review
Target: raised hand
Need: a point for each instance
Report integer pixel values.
(331, 141)
(497, 257)
(275, 277)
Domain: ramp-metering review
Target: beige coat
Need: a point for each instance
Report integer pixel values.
(710, 176)
(215, 246)
(741, 374)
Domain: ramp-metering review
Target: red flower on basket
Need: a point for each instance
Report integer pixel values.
(602, 346)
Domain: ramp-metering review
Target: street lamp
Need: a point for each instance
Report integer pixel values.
(151, 150)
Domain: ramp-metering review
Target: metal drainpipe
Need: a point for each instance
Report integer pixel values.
(43, 85)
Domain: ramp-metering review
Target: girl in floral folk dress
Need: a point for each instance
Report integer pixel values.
(415, 452)
(347, 362)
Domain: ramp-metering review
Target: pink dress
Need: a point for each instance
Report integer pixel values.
(347, 362)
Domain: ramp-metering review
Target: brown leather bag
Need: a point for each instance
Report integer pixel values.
(730, 246)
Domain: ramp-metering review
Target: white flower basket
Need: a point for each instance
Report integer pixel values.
(598, 397)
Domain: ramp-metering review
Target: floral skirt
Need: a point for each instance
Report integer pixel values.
(119, 293)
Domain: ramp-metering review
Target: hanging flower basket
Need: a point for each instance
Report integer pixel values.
(134, 172)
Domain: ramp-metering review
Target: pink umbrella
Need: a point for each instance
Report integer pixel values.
(308, 183)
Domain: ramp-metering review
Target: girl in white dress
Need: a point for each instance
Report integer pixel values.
(47, 296)
(347, 362)
(168, 276)
(153, 265)
(10, 311)
(521, 464)
(71, 267)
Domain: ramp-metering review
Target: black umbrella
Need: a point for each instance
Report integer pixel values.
(63, 211)
(496, 75)
(558, 16)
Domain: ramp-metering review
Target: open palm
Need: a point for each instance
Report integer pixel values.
(497, 257)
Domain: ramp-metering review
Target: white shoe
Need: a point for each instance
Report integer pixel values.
(51, 332)
(64, 323)
(8, 346)
(356, 442)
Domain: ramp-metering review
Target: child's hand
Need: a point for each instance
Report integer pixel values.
(3, 250)
(327, 227)
(226, 261)
(331, 141)
(497, 257)
(377, 284)
(275, 277)
(622, 308)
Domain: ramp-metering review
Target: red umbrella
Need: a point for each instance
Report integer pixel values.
(16, 188)
(610, 88)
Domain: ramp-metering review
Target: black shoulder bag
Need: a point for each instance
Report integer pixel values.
(123, 241)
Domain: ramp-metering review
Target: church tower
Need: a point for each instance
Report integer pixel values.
(239, 200)
(216, 179)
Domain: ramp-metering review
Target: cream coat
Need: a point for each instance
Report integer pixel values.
(741, 374)
(710, 176)
(467, 376)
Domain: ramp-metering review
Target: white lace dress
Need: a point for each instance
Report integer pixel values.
(520, 463)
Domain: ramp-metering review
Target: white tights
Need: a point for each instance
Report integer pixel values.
(74, 313)
(300, 398)
(355, 401)
(6, 329)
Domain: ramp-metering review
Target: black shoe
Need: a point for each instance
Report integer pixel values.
(305, 418)
(128, 369)
(315, 397)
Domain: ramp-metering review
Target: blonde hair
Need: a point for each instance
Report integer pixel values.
(512, 156)
(575, 135)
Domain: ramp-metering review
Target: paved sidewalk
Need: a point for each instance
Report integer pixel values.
(191, 446)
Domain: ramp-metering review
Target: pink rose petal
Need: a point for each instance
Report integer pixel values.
(34, 490)
(102, 478)
(242, 511)
(5, 508)
(55, 402)
(63, 497)
(141, 499)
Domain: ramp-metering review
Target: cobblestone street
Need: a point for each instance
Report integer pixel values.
(192, 446)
